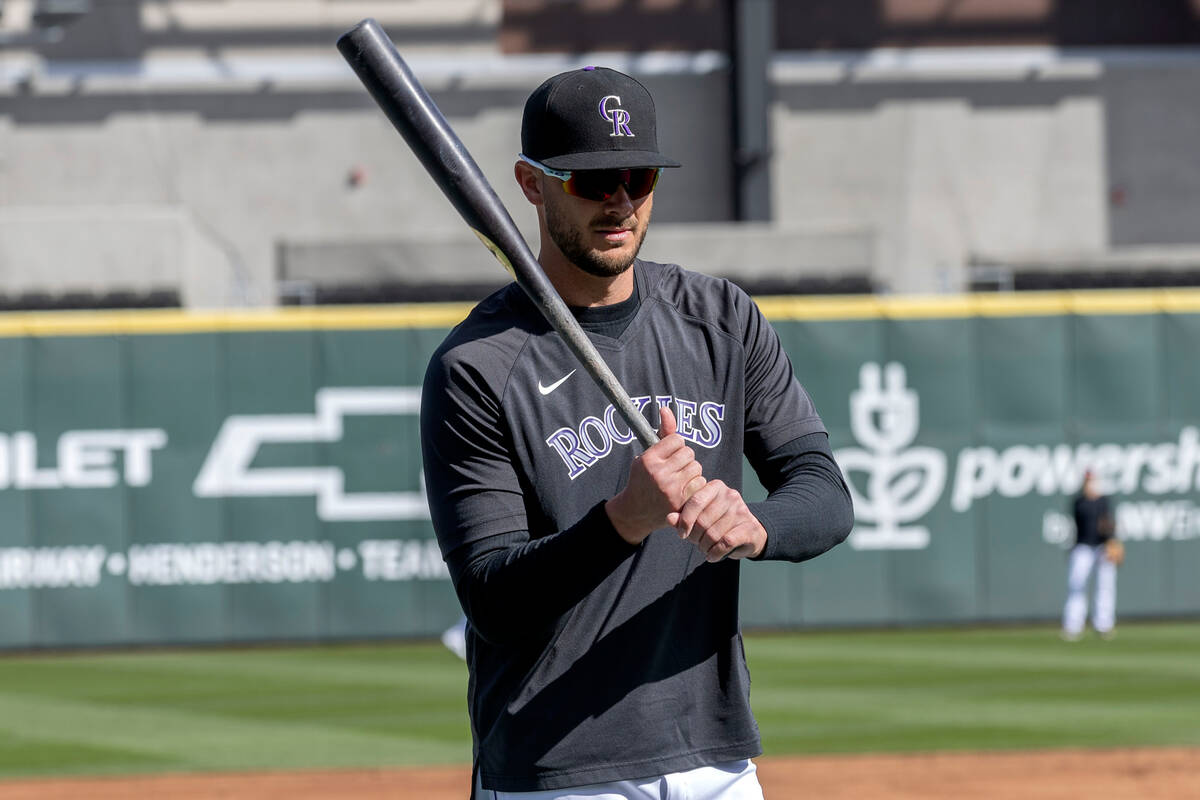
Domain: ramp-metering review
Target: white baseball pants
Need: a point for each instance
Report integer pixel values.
(737, 780)
(1085, 558)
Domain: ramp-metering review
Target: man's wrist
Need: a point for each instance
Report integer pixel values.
(627, 529)
(760, 541)
(765, 528)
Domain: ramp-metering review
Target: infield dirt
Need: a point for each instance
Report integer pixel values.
(1118, 774)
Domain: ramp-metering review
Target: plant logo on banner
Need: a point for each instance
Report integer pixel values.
(901, 484)
(894, 484)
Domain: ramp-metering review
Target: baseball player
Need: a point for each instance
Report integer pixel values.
(1094, 529)
(600, 580)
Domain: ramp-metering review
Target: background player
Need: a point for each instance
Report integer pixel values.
(1093, 529)
(604, 647)
(455, 638)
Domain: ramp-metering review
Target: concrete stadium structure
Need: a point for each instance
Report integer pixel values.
(224, 152)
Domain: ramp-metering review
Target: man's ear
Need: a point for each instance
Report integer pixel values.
(530, 181)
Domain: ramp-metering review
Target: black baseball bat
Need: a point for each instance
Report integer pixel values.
(373, 57)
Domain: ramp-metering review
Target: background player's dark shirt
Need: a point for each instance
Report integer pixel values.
(1092, 521)
(629, 662)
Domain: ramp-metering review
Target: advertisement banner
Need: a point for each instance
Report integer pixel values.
(167, 478)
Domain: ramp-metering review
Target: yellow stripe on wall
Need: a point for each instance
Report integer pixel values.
(168, 321)
(1008, 304)
(445, 315)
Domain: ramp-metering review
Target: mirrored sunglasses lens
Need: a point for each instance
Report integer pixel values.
(603, 184)
(641, 182)
(593, 184)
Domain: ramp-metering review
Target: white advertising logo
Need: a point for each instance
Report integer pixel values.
(227, 472)
(899, 484)
(108, 458)
(902, 483)
(87, 459)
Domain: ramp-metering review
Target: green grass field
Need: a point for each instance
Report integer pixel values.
(403, 704)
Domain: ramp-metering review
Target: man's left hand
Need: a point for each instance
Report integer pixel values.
(717, 520)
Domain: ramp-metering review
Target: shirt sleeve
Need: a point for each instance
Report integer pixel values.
(778, 409)
(808, 508)
(472, 487)
(512, 587)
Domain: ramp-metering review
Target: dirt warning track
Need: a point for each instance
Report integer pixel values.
(1119, 774)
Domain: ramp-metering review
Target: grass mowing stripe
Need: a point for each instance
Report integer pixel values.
(395, 704)
(972, 689)
(195, 741)
(875, 650)
(25, 754)
(255, 684)
(417, 665)
(874, 707)
(870, 661)
(211, 710)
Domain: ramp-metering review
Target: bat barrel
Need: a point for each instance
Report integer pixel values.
(388, 79)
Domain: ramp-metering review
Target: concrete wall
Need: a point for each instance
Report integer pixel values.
(198, 172)
(946, 162)
(161, 187)
(1013, 157)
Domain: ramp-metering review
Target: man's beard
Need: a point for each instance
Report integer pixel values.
(602, 264)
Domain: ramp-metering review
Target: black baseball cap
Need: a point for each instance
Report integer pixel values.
(592, 118)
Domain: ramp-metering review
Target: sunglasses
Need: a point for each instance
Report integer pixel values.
(601, 184)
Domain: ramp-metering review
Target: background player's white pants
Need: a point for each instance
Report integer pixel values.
(737, 780)
(455, 638)
(1083, 559)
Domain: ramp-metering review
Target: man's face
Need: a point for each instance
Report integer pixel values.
(601, 237)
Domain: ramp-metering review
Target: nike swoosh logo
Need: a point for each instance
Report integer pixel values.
(548, 389)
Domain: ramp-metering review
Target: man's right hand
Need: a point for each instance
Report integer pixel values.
(660, 481)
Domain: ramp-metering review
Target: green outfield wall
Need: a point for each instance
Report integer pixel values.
(172, 477)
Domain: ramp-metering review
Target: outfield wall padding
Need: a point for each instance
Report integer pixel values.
(168, 481)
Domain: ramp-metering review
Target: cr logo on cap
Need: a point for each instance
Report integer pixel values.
(619, 117)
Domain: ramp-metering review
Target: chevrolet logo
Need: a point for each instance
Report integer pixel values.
(227, 471)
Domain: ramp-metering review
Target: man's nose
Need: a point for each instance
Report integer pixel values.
(620, 198)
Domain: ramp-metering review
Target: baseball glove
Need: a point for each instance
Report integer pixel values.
(1114, 551)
